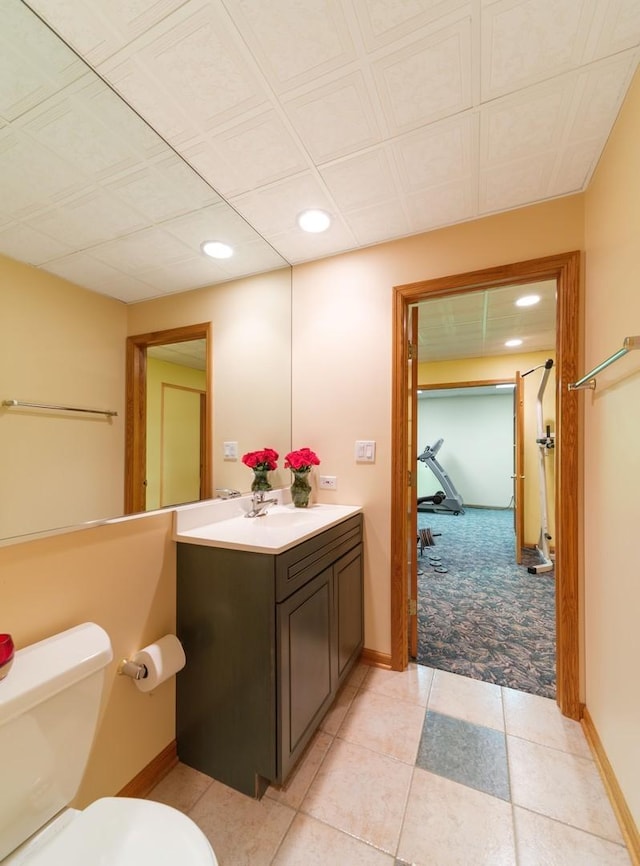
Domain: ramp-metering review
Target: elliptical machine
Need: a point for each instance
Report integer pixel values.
(546, 443)
(446, 500)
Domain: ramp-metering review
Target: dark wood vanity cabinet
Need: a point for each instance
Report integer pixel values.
(268, 639)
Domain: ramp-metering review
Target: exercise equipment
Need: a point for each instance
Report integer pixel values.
(426, 538)
(446, 500)
(546, 443)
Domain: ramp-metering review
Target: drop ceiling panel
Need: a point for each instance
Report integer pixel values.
(396, 116)
(292, 44)
(426, 80)
(247, 155)
(385, 21)
(335, 119)
(361, 180)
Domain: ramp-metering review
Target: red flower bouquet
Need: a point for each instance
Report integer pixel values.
(301, 460)
(264, 460)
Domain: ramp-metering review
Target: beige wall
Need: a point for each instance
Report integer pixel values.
(121, 576)
(59, 344)
(342, 339)
(504, 367)
(612, 452)
(251, 339)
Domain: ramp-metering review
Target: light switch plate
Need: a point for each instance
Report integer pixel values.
(230, 450)
(365, 451)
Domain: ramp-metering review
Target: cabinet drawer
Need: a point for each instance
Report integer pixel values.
(302, 563)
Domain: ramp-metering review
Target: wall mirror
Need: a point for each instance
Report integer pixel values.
(101, 224)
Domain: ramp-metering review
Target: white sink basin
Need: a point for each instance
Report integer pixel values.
(283, 526)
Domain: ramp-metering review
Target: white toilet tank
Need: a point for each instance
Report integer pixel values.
(49, 705)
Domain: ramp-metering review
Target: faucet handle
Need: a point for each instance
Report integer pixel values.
(227, 492)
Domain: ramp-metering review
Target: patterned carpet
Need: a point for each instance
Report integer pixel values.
(486, 617)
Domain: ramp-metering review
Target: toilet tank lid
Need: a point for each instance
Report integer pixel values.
(45, 668)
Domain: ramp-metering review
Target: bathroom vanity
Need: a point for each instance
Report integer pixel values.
(271, 619)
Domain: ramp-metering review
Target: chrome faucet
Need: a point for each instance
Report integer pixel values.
(260, 505)
(227, 493)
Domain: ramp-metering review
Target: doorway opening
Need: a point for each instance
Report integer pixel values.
(176, 405)
(564, 269)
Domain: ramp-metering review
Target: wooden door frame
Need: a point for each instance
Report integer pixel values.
(136, 410)
(565, 269)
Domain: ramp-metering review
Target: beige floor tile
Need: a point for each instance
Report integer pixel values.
(448, 824)
(387, 725)
(297, 785)
(242, 831)
(181, 788)
(411, 685)
(338, 710)
(538, 719)
(544, 842)
(561, 786)
(468, 699)
(361, 792)
(312, 843)
(357, 675)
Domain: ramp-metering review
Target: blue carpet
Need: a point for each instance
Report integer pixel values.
(487, 617)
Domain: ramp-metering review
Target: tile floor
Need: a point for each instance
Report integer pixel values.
(420, 767)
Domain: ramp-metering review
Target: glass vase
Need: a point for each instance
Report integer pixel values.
(260, 480)
(300, 489)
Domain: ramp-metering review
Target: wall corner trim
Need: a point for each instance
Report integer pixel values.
(613, 789)
(376, 659)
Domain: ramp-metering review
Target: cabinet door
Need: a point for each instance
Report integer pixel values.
(306, 688)
(348, 590)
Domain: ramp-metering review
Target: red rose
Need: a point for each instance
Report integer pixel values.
(301, 460)
(267, 459)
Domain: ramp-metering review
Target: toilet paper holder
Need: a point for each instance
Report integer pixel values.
(132, 669)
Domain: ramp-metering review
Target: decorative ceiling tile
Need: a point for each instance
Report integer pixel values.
(297, 246)
(217, 222)
(575, 165)
(526, 41)
(441, 205)
(84, 270)
(163, 189)
(32, 177)
(616, 26)
(89, 219)
(189, 65)
(97, 30)
(247, 155)
(509, 185)
(385, 21)
(334, 119)
(142, 251)
(426, 80)
(33, 61)
(26, 244)
(527, 123)
(438, 153)
(294, 44)
(273, 210)
(384, 220)
(600, 90)
(360, 180)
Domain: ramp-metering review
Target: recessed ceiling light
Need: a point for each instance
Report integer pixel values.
(314, 220)
(217, 249)
(528, 300)
(512, 343)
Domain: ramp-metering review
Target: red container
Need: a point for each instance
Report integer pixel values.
(7, 650)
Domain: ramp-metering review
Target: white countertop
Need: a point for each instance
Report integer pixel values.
(223, 523)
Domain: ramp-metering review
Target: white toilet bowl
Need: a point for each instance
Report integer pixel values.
(117, 831)
(49, 707)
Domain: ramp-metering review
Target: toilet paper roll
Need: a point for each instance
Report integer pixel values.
(162, 659)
